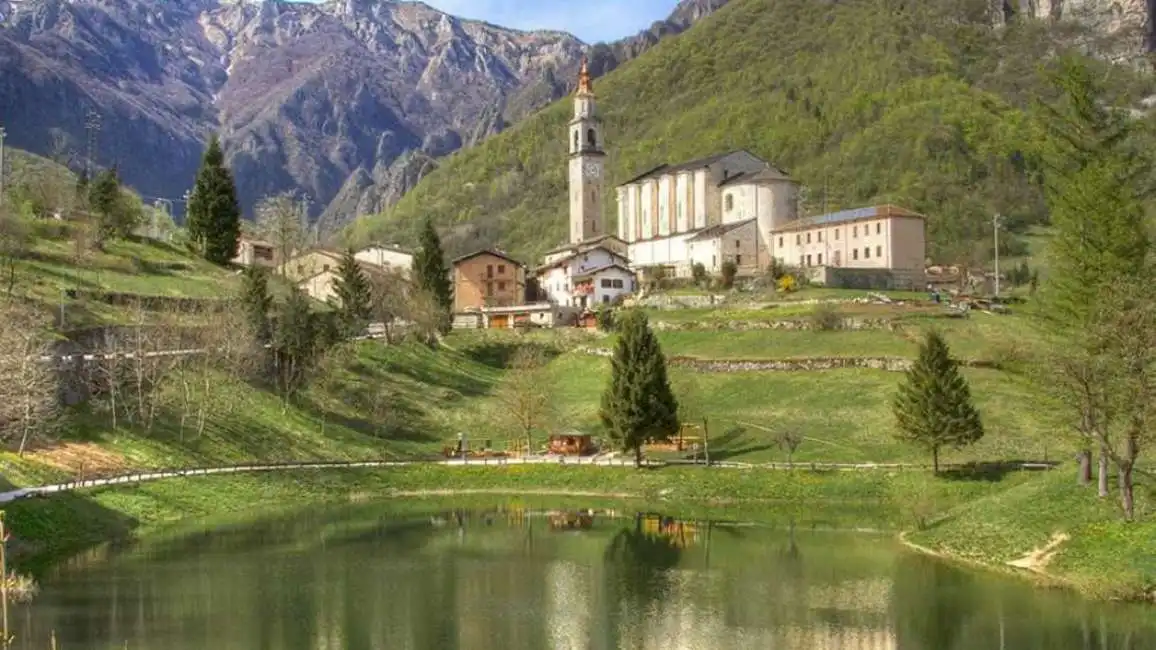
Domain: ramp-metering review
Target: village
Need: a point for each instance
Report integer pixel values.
(731, 214)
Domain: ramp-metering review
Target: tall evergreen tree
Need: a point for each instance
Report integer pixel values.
(214, 220)
(294, 344)
(354, 295)
(638, 405)
(429, 268)
(933, 407)
(103, 197)
(257, 302)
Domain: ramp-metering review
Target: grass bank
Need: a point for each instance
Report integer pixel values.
(45, 529)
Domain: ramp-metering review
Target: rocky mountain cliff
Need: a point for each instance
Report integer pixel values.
(348, 101)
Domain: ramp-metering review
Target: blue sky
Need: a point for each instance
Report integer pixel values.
(589, 20)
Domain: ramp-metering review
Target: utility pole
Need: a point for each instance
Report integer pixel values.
(2, 134)
(995, 233)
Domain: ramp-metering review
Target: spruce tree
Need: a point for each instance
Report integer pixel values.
(429, 268)
(933, 407)
(103, 200)
(214, 220)
(638, 405)
(354, 295)
(257, 302)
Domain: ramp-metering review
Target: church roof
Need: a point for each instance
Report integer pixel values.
(771, 173)
(847, 216)
(592, 272)
(698, 163)
(588, 244)
(714, 232)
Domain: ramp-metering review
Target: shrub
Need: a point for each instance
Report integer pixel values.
(826, 318)
(698, 272)
(606, 319)
(787, 284)
(729, 271)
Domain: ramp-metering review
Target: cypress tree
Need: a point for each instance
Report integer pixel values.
(638, 405)
(257, 302)
(354, 295)
(214, 220)
(429, 268)
(933, 407)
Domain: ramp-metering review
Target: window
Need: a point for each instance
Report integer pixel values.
(738, 260)
(820, 235)
(502, 285)
(489, 270)
(867, 253)
(878, 251)
(605, 299)
(820, 259)
(836, 234)
(617, 284)
(590, 139)
(801, 260)
(738, 244)
(878, 227)
(730, 202)
(263, 252)
(808, 238)
(489, 289)
(575, 140)
(808, 260)
(854, 253)
(780, 242)
(713, 261)
(501, 269)
(605, 283)
(855, 231)
(798, 240)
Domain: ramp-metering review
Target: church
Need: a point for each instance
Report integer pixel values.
(732, 207)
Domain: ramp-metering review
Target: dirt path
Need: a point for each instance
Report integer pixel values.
(1039, 558)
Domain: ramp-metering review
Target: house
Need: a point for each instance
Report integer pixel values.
(583, 279)
(386, 256)
(255, 252)
(538, 314)
(487, 278)
(309, 263)
(662, 210)
(881, 246)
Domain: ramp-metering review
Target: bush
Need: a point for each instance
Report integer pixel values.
(729, 271)
(698, 272)
(826, 318)
(607, 320)
(787, 284)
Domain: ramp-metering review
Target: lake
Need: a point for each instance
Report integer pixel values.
(509, 578)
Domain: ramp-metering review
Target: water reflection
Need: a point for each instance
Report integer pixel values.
(521, 579)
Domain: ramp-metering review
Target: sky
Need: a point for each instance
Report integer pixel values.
(589, 20)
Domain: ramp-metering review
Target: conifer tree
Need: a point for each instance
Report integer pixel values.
(103, 194)
(933, 407)
(214, 220)
(294, 345)
(429, 269)
(354, 295)
(257, 302)
(638, 405)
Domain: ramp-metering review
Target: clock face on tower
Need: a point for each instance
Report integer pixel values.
(591, 170)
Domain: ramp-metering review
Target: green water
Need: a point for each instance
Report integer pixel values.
(362, 578)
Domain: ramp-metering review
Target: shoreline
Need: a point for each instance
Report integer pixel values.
(52, 527)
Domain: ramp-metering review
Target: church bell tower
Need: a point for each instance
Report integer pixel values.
(587, 162)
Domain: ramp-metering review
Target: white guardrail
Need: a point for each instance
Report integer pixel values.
(598, 461)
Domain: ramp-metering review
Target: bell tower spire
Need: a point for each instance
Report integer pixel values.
(586, 162)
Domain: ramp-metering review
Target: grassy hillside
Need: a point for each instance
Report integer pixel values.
(920, 104)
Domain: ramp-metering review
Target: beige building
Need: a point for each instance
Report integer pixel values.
(876, 237)
(386, 256)
(488, 278)
(254, 252)
(322, 285)
(310, 263)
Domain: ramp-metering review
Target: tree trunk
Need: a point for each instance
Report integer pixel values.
(706, 442)
(1102, 473)
(1085, 458)
(935, 460)
(637, 456)
(1127, 500)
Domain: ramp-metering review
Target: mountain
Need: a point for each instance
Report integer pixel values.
(345, 99)
(919, 104)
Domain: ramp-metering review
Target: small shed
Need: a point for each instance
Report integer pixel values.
(572, 444)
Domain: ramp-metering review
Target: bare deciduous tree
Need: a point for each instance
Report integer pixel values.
(423, 315)
(524, 395)
(29, 392)
(281, 222)
(390, 289)
(15, 241)
(789, 442)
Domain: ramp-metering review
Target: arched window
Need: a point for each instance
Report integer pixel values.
(590, 138)
(730, 202)
(575, 140)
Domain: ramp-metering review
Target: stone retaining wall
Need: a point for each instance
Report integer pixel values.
(889, 364)
(786, 324)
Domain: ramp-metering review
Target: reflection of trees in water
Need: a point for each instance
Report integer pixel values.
(940, 607)
(636, 580)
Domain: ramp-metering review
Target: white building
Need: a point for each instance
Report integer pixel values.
(386, 257)
(593, 268)
(587, 278)
(877, 237)
(666, 212)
